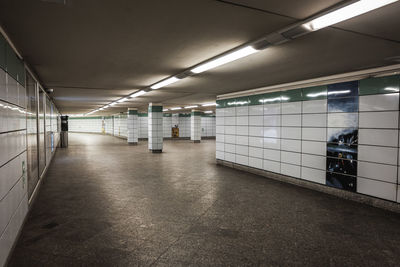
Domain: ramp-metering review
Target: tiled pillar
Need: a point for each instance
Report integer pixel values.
(132, 126)
(195, 126)
(155, 127)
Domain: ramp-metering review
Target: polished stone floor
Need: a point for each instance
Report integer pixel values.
(105, 203)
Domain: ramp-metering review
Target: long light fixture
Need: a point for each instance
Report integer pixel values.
(164, 83)
(345, 13)
(194, 106)
(209, 104)
(139, 93)
(177, 108)
(122, 100)
(248, 50)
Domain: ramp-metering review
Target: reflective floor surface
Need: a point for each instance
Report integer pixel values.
(105, 203)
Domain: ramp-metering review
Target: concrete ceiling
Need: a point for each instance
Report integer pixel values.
(92, 52)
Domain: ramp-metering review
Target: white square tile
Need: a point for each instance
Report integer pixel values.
(290, 170)
(314, 134)
(272, 166)
(256, 141)
(230, 130)
(314, 120)
(345, 120)
(291, 108)
(219, 155)
(242, 111)
(230, 139)
(256, 131)
(379, 102)
(242, 140)
(315, 106)
(379, 120)
(272, 120)
(256, 120)
(242, 120)
(270, 154)
(256, 110)
(229, 148)
(291, 132)
(242, 160)
(271, 109)
(256, 152)
(313, 161)
(291, 157)
(230, 112)
(272, 143)
(379, 137)
(229, 121)
(229, 157)
(242, 150)
(274, 132)
(256, 163)
(242, 130)
(376, 188)
(387, 155)
(381, 172)
(291, 120)
(313, 175)
(313, 147)
(291, 145)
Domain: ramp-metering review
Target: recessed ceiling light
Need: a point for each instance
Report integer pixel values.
(177, 108)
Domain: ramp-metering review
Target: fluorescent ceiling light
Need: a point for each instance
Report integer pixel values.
(248, 50)
(164, 83)
(137, 94)
(208, 111)
(113, 103)
(165, 109)
(209, 105)
(392, 89)
(345, 13)
(176, 108)
(195, 106)
(122, 100)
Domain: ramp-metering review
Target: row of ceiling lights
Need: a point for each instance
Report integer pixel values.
(339, 14)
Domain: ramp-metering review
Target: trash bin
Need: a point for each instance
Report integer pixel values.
(64, 139)
(64, 132)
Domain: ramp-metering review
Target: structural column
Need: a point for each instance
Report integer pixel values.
(155, 127)
(132, 126)
(195, 126)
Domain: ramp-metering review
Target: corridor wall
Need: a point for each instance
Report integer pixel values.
(20, 127)
(116, 125)
(343, 135)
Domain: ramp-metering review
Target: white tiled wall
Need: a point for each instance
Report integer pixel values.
(143, 126)
(290, 138)
(184, 126)
(13, 183)
(378, 145)
(132, 128)
(167, 126)
(208, 126)
(86, 125)
(195, 127)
